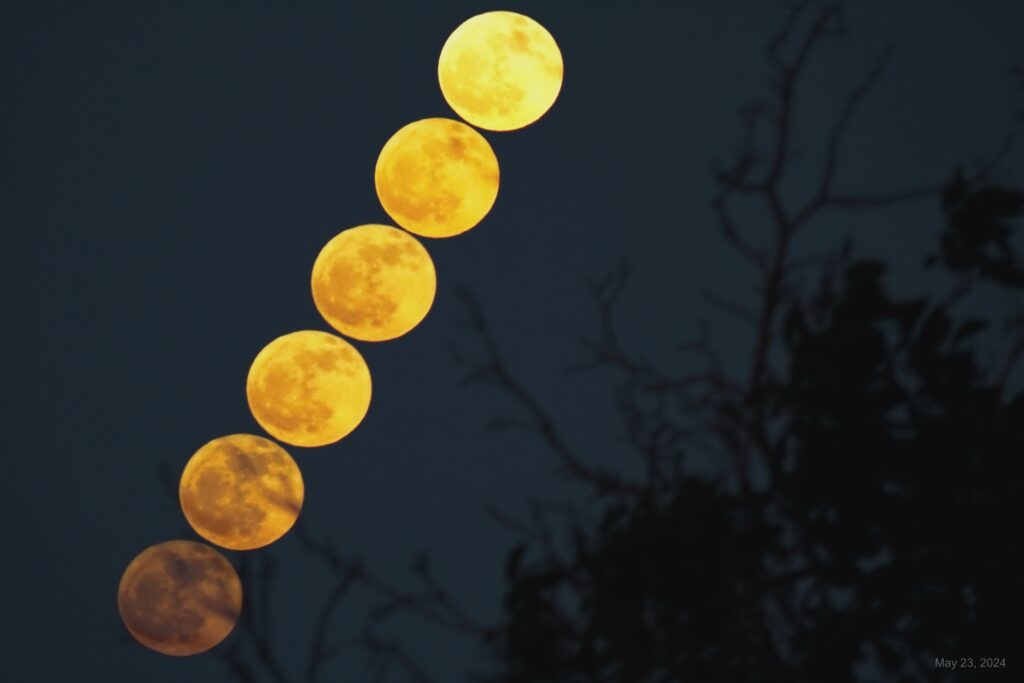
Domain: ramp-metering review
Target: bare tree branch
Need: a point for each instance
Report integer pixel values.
(492, 370)
(733, 308)
(839, 128)
(432, 604)
(385, 653)
(257, 637)
(875, 201)
(320, 652)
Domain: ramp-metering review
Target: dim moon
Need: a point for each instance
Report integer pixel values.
(373, 282)
(500, 70)
(308, 388)
(437, 177)
(241, 491)
(179, 597)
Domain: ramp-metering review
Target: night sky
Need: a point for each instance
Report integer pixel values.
(171, 170)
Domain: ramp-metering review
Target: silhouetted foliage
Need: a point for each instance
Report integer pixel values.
(977, 239)
(860, 524)
(881, 529)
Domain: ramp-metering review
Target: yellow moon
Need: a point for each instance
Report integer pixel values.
(373, 282)
(179, 597)
(500, 70)
(241, 491)
(308, 388)
(437, 177)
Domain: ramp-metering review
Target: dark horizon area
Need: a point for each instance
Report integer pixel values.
(171, 171)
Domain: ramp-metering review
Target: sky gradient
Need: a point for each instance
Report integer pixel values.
(172, 169)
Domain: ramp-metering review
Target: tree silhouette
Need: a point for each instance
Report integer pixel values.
(876, 530)
(857, 526)
(856, 522)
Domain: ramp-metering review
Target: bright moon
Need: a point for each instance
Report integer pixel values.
(500, 70)
(437, 177)
(373, 282)
(308, 388)
(241, 491)
(179, 597)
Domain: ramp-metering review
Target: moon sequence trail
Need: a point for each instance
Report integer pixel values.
(436, 178)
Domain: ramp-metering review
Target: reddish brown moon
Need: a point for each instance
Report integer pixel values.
(179, 597)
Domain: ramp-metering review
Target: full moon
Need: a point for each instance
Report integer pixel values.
(241, 491)
(373, 282)
(179, 597)
(437, 177)
(500, 70)
(308, 388)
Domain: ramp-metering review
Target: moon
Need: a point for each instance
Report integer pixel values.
(437, 177)
(179, 597)
(373, 282)
(500, 70)
(241, 491)
(308, 388)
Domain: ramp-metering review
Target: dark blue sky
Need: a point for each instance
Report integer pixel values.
(171, 169)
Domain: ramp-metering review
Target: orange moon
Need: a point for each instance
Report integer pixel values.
(373, 282)
(241, 491)
(500, 70)
(308, 388)
(437, 177)
(179, 597)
